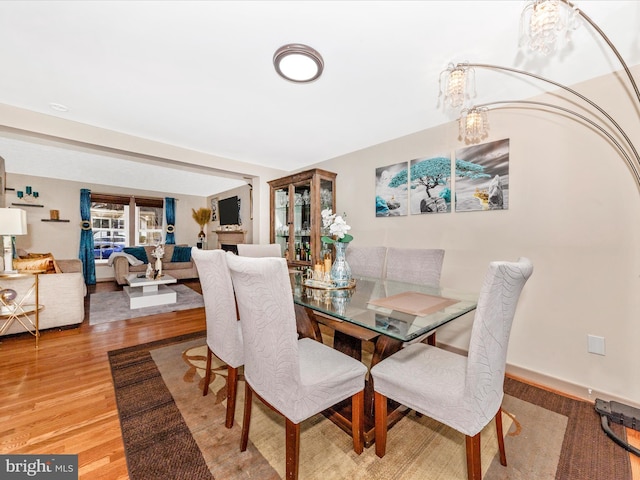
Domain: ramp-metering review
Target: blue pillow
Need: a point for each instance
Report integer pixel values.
(138, 252)
(181, 254)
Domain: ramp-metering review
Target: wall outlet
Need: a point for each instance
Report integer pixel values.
(595, 344)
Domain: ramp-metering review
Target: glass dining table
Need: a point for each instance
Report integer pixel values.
(385, 312)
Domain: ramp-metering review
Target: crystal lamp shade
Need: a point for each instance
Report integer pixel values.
(473, 124)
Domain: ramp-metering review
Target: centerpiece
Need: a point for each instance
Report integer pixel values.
(158, 253)
(338, 236)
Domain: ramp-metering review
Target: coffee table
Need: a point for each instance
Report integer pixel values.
(144, 292)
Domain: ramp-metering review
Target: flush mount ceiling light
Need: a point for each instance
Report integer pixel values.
(298, 63)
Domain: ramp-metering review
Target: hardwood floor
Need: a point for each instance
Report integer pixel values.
(59, 398)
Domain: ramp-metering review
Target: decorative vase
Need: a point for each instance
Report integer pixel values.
(158, 268)
(340, 270)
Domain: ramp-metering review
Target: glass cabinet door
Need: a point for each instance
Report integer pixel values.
(281, 219)
(302, 222)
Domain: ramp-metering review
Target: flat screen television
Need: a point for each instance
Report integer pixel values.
(229, 211)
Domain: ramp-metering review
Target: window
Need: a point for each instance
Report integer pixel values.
(122, 221)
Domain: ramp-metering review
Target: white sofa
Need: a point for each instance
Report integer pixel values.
(61, 294)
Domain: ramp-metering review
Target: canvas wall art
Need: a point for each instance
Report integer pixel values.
(430, 182)
(391, 190)
(482, 177)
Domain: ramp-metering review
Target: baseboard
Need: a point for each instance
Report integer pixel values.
(556, 385)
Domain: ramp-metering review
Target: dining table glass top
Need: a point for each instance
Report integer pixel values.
(400, 310)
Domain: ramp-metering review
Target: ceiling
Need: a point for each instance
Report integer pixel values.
(199, 75)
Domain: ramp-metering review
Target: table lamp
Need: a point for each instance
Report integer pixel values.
(13, 221)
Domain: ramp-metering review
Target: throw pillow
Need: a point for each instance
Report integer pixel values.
(50, 266)
(30, 264)
(137, 252)
(181, 254)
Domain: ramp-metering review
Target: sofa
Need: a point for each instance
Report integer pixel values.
(176, 262)
(61, 291)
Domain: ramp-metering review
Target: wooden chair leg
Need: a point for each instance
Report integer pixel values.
(357, 421)
(232, 389)
(380, 424)
(293, 449)
(503, 455)
(207, 373)
(474, 466)
(244, 437)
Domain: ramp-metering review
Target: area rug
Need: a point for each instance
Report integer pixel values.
(171, 431)
(107, 307)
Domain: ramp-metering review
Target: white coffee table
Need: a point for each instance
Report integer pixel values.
(144, 292)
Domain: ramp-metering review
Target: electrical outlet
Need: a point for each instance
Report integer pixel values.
(595, 344)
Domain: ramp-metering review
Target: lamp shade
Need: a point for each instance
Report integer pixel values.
(13, 221)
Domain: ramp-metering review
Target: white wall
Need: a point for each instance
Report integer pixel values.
(574, 210)
(63, 239)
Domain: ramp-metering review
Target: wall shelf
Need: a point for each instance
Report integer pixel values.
(26, 205)
(50, 220)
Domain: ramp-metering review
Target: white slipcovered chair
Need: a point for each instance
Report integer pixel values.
(422, 266)
(224, 336)
(464, 393)
(366, 261)
(297, 378)
(256, 250)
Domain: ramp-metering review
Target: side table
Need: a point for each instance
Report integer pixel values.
(17, 309)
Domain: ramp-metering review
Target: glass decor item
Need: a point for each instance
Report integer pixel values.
(340, 270)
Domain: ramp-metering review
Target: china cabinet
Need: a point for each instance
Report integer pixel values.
(296, 225)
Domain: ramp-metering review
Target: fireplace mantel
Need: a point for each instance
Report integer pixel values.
(230, 237)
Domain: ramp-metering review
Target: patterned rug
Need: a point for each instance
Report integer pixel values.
(171, 431)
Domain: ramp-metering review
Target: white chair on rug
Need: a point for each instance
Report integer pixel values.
(297, 378)
(366, 261)
(464, 393)
(256, 250)
(224, 336)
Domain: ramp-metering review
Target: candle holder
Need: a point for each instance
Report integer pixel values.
(28, 195)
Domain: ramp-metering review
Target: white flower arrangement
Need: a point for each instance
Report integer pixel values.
(338, 228)
(158, 252)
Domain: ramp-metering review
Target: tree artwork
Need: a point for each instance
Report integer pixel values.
(435, 172)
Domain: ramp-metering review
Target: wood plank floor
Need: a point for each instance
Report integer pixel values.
(59, 398)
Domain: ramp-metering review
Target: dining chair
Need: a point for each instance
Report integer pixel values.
(297, 378)
(464, 393)
(422, 266)
(366, 261)
(224, 336)
(257, 250)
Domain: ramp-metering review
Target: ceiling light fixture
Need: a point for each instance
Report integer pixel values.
(298, 63)
(543, 28)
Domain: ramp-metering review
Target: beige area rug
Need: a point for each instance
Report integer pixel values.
(418, 448)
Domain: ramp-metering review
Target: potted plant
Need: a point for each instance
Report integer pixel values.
(201, 216)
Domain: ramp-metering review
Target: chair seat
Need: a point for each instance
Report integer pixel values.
(327, 377)
(431, 381)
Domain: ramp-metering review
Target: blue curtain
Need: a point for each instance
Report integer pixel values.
(86, 239)
(170, 208)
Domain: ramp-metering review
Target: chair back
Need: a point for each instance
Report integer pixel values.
(256, 250)
(366, 261)
(265, 303)
(421, 266)
(224, 337)
(490, 333)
